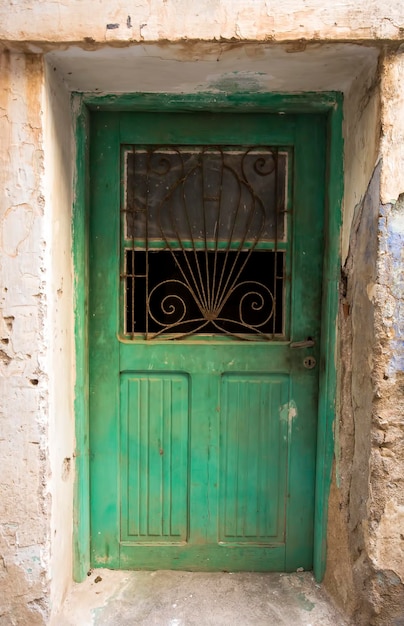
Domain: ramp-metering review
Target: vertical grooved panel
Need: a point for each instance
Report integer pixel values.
(253, 458)
(154, 463)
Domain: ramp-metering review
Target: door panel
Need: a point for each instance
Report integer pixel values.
(154, 457)
(203, 435)
(253, 447)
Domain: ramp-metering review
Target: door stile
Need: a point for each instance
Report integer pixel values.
(103, 347)
(309, 209)
(204, 445)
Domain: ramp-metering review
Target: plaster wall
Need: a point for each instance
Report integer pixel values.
(36, 341)
(392, 141)
(361, 130)
(24, 372)
(216, 67)
(58, 189)
(173, 20)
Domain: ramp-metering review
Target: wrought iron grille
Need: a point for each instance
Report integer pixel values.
(204, 235)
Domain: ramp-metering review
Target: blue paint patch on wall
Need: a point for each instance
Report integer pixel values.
(392, 249)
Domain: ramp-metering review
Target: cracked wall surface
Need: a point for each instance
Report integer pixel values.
(384, 526)
(173, 20)
(366, 540)
(386, 501)
(24, 538)
(36, 341)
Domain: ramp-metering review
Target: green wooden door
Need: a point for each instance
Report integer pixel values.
(206, 246)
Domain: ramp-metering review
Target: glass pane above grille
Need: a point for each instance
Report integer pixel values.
(205, 194)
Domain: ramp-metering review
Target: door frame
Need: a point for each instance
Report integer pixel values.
(329, 104)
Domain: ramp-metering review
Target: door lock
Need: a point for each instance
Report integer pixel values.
(309, 362)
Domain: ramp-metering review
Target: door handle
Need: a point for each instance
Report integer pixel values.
(307, 343)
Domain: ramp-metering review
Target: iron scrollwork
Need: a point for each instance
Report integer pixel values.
(212, 208)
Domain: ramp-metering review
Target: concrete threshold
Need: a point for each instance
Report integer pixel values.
(167, 598)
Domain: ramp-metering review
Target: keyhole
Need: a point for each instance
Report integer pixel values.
(309, 362)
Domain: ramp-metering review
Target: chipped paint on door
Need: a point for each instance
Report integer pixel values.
(203, 437)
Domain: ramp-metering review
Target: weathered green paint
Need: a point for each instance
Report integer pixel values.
(81, 513)
(328, 373)
(327, 103)
(309, 102)
(235, 391)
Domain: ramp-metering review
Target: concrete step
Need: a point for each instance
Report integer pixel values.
(168, 598)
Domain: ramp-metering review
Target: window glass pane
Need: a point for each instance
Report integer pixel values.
(197, 194)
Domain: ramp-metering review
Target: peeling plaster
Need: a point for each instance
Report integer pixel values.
(213, 66)
(17, 225)
(76, 20)
(24, 545)
(392, 143)
(225, 47)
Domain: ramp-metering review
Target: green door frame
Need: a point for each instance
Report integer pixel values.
(327, 103)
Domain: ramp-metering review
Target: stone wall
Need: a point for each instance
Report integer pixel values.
(385, 507)
(37, 369)
(386, 500)
(348, 566)
(366, 539)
